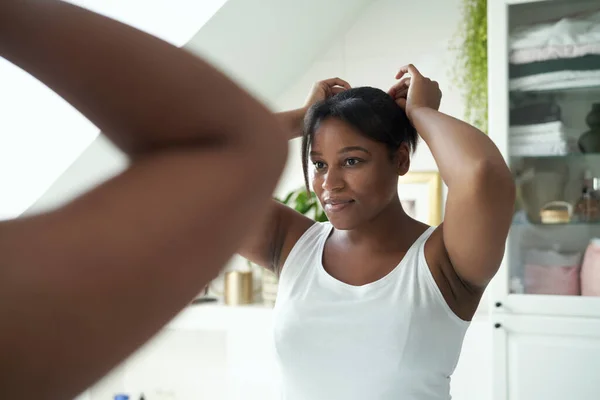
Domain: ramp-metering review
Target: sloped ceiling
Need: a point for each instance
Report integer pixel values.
(265, 44)
(262, 44)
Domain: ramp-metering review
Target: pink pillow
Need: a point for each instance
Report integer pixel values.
(590, 270)
(553, 280)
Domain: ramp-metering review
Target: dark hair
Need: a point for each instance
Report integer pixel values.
(371, 111)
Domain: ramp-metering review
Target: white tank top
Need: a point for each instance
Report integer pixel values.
(395, 338)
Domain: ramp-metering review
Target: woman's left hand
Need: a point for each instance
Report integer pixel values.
(415, 90)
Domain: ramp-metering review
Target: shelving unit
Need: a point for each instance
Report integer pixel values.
(546, 334)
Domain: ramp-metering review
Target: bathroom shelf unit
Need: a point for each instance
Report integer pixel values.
(545, 344)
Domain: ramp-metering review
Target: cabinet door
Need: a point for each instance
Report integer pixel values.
(546, 358)
(544, 115)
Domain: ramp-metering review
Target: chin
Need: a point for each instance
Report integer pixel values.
(342, 223)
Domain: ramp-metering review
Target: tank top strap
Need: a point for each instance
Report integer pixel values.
(419, 244)
(306, 253)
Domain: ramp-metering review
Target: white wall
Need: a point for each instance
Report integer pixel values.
(100, 160)
(265, 44)
(40, 135)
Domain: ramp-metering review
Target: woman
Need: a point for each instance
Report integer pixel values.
(374, 304)
(83, 286)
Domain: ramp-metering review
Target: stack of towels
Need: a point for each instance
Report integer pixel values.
(556, 55)
(537, 130)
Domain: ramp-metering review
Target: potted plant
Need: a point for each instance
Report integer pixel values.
(305, 203)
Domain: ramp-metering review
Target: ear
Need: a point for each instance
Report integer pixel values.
(403, 159)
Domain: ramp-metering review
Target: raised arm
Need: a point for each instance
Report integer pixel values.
(85, 285)
(481, 190)
(270, 241)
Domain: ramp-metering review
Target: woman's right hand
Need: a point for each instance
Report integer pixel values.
(325, 89)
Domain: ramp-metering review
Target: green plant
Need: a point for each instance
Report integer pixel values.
(469, 72)
(305, 204)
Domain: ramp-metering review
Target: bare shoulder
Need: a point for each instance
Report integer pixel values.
(271, 242)
(462, 297)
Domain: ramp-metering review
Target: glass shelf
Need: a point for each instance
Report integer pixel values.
(566, 88)
(556, 225)
(552, 94)
(577, 156)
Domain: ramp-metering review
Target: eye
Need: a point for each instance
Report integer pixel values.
(351, 162)
(319, 165)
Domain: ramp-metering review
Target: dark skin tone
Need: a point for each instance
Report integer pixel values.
(83, 286)
(372, 232)
(356, 180)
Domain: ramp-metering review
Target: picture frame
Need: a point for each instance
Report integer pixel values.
(420, 193)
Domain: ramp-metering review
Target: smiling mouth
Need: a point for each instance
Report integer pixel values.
(335, 206)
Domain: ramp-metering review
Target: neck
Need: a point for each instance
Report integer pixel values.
(384, 232)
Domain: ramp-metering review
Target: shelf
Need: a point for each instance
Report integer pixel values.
(561, 225)
(577, 156)
(538, 304)
(568, 89)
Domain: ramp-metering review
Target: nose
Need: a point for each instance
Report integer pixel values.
(333, 180)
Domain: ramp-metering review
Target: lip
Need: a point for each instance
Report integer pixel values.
(336, 205)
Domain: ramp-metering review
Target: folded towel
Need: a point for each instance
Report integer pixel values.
(552, 149)
(553, 52)
(556, 80)
(555, 127)
(537, 113)
(576, 30)
(590, 62)
(535, 138)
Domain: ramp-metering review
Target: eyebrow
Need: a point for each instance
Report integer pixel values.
(345, 150)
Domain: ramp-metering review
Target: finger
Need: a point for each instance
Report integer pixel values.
(404, 82)
(401, 86)
(402, 103)
(398, 92)
(337, 82)
(401, 93)
(408, 69)
(336, 89)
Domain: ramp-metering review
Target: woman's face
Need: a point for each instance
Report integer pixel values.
(355, 178)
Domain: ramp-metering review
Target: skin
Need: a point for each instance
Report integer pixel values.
(371, 230)
(83, 286)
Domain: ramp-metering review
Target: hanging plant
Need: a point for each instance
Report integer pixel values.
(470, 69)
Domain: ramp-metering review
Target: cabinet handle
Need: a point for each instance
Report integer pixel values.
(497, 325)
(498, 304)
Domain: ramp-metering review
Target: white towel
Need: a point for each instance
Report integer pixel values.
(550, 137)
(556, 80)
(581, 29)
(545, 53)
(550, 128)
(540, 149)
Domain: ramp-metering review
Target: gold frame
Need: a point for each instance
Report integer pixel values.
(434, 183)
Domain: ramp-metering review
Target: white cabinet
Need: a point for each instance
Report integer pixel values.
(546, 328)
(542, 147)
(547, 358)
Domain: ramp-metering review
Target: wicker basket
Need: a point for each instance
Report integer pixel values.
(556, 212)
